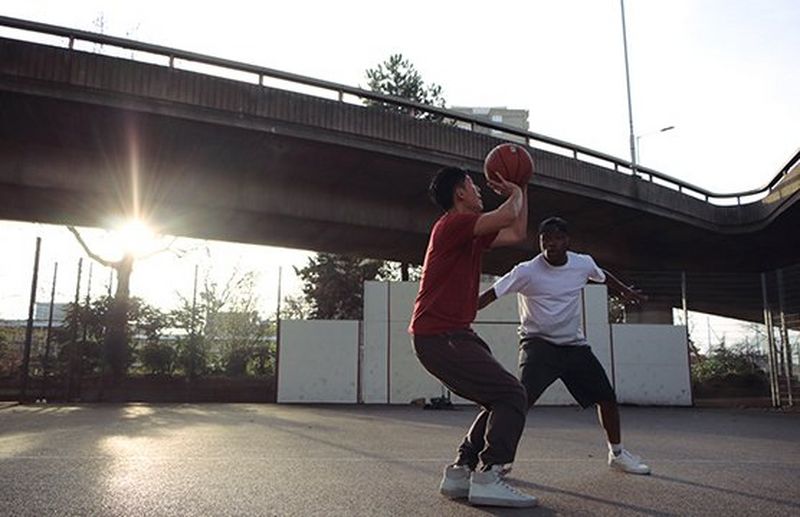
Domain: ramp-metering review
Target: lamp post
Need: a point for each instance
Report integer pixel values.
(638, 137)
(628, 83)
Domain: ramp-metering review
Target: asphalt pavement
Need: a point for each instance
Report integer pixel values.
(264, 459)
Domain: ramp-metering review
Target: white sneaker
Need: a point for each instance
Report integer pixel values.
(627, 462)
(489, 489)
(455, 481)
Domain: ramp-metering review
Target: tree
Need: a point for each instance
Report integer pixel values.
(115, 341)
(90, 319)
(333, 284)
(398, 77)
(295, 308)
(156, 356)
(225, 333)
(9, 357)
(395, 271)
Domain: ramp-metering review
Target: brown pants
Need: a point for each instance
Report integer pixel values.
(463, 362)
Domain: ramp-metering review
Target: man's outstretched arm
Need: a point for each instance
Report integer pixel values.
(486, 297)
(627, 292)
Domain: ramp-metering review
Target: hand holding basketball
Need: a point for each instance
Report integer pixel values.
(511, 161)
(501, 185)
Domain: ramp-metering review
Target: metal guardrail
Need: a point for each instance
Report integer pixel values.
(576, 151)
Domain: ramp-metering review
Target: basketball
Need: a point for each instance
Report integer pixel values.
(511, 161)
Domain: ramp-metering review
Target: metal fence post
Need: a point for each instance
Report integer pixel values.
(26, 358)
(73, 341)
(787, 347)
(48, 338)
(773, 373)
(685, 307)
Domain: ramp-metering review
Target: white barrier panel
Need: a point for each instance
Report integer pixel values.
(651, 365)
(597, 329)
(318, 361)
(408, 380)
(375, 359)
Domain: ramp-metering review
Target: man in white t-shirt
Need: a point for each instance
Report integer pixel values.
(552, 344)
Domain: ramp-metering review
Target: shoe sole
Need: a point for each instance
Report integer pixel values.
(624, 471)
(491, 501)
(454, 494)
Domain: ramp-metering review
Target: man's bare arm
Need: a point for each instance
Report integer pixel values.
(486, 297)
(504, 215)
(627, 292)
(518, 231)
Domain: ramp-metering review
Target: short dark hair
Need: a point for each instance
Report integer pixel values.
(443, 185)
(554, 224)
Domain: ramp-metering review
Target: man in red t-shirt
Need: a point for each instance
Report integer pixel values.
(447, 347)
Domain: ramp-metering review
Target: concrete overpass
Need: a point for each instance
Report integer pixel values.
(86, 137)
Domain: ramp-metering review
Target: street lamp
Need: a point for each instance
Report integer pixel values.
(638, 137)
(628, 84)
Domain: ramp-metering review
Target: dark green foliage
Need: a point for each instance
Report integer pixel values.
(723, 361)
(158, 358)
(333, 284)
(223, 333)
(398, 77)
(85, 329)
(191, 357)
(9, 358)
(616, 309)
(729, 372)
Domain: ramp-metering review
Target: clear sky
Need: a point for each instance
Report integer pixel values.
(725, 73)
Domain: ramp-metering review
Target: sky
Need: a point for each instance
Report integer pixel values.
(724, 73)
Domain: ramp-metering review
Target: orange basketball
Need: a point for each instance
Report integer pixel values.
(511, 161)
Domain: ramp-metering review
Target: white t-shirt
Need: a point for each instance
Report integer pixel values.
(549, 297)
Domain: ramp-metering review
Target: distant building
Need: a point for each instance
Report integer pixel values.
(516, 118)
(42, 313)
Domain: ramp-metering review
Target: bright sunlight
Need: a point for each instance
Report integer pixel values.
(136, 237)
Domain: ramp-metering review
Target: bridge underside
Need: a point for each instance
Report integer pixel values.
(71, 153)
(74, 163)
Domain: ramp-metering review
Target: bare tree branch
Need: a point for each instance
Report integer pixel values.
(156, 252)
(89, 252)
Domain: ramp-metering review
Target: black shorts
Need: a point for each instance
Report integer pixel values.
(541, 363)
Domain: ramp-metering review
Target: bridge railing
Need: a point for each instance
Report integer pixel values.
(174, 58)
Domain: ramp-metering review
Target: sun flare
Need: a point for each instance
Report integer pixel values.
(136, 237)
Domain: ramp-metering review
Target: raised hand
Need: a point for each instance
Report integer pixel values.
(500, 185)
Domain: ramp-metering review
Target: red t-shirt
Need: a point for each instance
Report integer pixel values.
(448, 292)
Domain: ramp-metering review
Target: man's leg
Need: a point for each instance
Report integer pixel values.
(608, 413)
(464, 363)
(474, 441)
(586, 379)
(538, 369)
